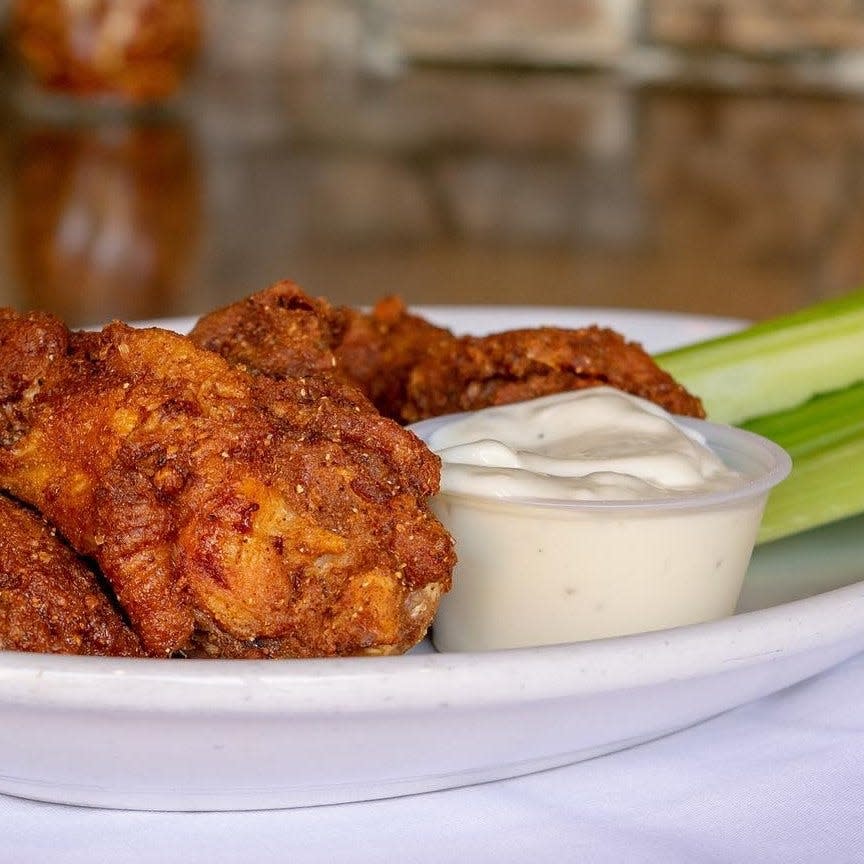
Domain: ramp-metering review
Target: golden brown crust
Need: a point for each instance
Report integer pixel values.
(412, 369)
(233, 515)
(29, 344)
(50, 600)
(379, 350)
(477, 372)
(281, 331)
(285, 333)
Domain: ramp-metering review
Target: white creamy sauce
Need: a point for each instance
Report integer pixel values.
(561, 572)
(586, 445)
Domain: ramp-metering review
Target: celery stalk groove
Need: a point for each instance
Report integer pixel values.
(797, 379)
(776, 364)
(825, 438)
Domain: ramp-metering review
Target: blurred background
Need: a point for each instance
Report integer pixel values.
(162, 157)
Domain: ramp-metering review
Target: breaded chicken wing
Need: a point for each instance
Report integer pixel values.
(283, 332)
(380, 349)
(412, 369)
(50, 599)
(477, 372)
(233, 515)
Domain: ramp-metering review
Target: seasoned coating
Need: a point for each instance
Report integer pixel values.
(280, 331)
(379, 350)
(411, 369)
(50, 600)
(283, 332)
(233, 515)
(478, 372)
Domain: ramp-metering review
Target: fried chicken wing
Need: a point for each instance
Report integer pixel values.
(233, 515)
(478, 372)
(380, 349)
(50, 599)
(283, 332)
(412, 369)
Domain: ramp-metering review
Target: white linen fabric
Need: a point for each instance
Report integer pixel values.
(778, 780)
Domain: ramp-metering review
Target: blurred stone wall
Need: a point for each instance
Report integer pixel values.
(732, 42)
(758, 27)
(601, 188)
(800, 42)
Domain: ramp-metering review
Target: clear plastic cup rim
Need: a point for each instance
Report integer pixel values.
(762, 464)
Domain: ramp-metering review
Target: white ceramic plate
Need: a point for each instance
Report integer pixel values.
(200, 735)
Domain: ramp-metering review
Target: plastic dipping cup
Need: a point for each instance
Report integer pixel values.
(542, 571)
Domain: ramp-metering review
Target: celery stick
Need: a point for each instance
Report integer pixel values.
(806, 499)
(775, 364)
(825, 438)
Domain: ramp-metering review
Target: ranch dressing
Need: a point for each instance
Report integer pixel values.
(581, 516)
(598, 444)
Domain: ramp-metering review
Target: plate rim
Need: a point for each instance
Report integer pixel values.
(321, 685)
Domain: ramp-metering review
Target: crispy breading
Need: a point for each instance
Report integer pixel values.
(379, 350)
(477, 372)
(283, 332)
(412, 369)
(233, 515)
(50, 599)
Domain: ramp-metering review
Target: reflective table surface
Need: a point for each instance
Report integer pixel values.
(444, 186)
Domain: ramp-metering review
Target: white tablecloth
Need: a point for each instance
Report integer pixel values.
(779, 780)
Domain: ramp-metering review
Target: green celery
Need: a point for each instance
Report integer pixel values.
(776, 364)
(825, 438)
